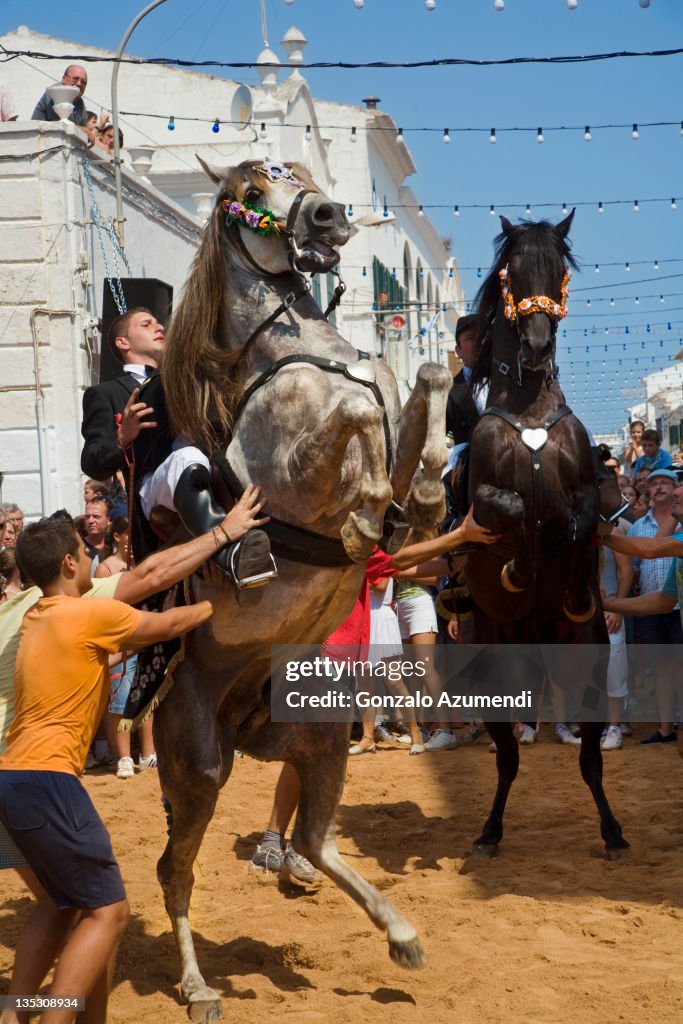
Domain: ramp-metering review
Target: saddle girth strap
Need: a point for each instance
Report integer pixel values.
(295, 543)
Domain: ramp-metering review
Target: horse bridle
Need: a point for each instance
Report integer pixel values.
(514, 311)
(298, 542)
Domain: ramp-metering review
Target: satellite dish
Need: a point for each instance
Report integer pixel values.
(241, 107)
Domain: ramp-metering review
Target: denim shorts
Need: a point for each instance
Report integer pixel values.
(120, 684)
(53, 822)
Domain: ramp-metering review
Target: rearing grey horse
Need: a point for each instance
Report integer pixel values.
(253, 368)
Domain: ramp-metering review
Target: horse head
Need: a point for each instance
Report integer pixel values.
(525, 295)
(278, 218)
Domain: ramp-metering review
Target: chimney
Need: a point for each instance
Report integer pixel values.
(371, 102)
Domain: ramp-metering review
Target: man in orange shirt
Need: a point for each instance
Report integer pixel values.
(62, 684)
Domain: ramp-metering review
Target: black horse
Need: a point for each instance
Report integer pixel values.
(532, 479)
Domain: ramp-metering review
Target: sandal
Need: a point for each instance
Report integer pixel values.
(357, 749)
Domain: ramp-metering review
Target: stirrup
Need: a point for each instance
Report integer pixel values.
(250, 582)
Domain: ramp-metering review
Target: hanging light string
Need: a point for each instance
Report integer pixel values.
(80, 58)
(492, 133)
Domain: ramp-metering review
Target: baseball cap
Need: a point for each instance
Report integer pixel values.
(668, 474)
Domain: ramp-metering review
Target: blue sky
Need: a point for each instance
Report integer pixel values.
(471, 170)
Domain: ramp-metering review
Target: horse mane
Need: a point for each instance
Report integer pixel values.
(543, 245)
(197, 373)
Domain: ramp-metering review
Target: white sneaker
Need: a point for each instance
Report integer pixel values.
(441, 739)
(612, 740)
(125, 768)
(526, 735)
(147, 762)
(564, 735)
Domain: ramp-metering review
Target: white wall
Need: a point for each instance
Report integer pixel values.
(51, 261)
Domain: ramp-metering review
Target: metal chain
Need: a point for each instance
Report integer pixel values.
(115, 285)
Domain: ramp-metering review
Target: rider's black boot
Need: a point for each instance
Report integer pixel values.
(248, 561)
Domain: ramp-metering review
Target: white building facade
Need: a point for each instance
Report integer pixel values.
(404, 293)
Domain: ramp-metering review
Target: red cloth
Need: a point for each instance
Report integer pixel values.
(356, 628)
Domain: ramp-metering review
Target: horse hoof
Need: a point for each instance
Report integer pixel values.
(618, 852)
(204, 1011)
(581, 616)
(357, 544)
(407, 953)
(506, 580)
(486, 850)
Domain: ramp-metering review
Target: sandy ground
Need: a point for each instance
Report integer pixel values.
(549, 932)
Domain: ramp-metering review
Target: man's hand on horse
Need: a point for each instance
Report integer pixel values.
(473, 533)
(132, 419)
(244, 516)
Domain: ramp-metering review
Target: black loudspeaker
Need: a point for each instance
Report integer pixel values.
(154, 295)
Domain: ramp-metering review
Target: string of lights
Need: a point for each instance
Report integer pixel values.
(492, 133)
(437, 62)
(498, 5)
(527, 207)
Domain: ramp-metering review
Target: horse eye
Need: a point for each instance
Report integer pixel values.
(252, 195)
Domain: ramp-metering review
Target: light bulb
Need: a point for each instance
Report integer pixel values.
(637, 301)
(171, 124)
(446, 136)
(661, 298)
(636, 206)
(499, 5)
(263, 132)
(420, 212)
(656, 265)
(492, 211)
(588, 302)
(673, 204)
(587, 133)
(597, 268)
(364, 272)
(478, 271)
(644, 3)
(627, 268)
(450, 272)
(456, 211)
(354, 136)
(601, 208)
(307, 133)
(492, 137)
(539, 135)
(349, 212)
(528, 210)
(611, 302)
(635, 134)
(572, 4)
(358, 4)
(216, 127)
(385, 211)
(681, 131)
(565, 211)
(399, 136)
(393, 273)
(430, 4)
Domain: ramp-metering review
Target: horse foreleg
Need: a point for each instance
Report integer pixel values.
(590, 761)
(316, 466)
(579, 601)
(314, 836)
(421, 437)
(502, 511)
(507, 763)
